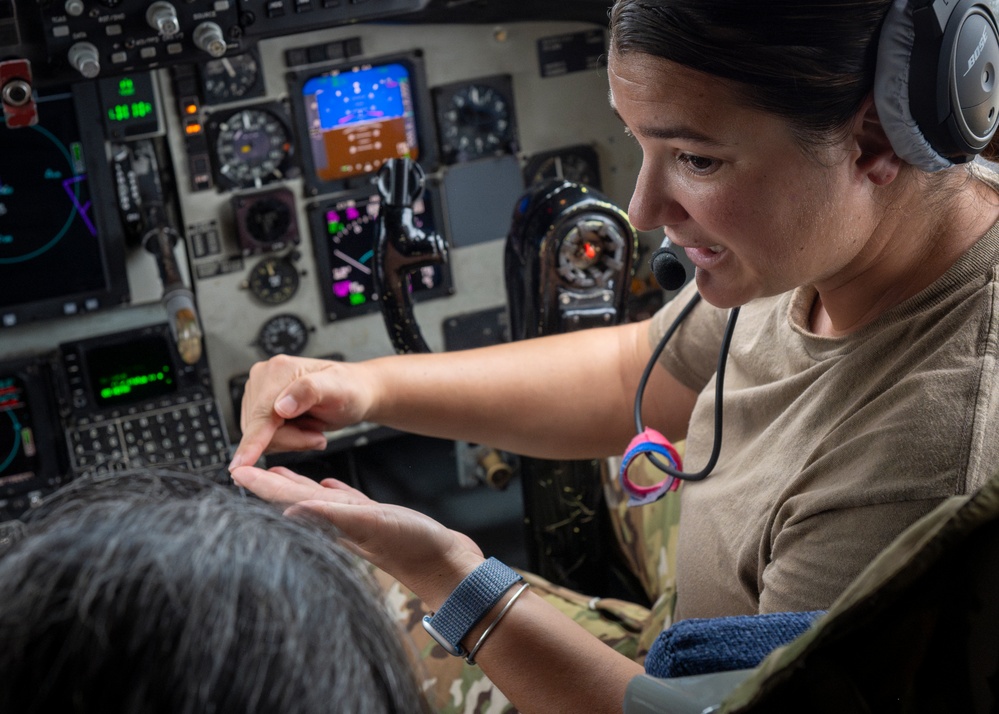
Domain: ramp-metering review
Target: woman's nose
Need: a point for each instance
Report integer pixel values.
(653, 203)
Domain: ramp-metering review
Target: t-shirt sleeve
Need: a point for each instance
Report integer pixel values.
(813, 558)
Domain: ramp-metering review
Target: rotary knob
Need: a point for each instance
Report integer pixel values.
(162, 17)
(84, 58)
(208, 37)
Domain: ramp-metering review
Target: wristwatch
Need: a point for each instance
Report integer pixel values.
(468, 603)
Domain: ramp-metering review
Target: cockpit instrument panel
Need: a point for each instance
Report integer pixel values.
(253, 146)
(344, 232)
(231, 78)
(59, 256)
(476, 118)
(32, 459)
(355, 117)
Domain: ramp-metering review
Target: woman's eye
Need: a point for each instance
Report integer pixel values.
(698, 163)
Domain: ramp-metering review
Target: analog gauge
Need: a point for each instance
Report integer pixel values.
(591, 253)
(273, 280)
(283, 335)
(230, 78)
(265, 220)
(578, 164)
(476, 119)
(252, 147)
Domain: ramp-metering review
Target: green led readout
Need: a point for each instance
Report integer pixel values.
(125, 383)
(126, 112)
(129, 105)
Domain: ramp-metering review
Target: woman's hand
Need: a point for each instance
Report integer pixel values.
(289, 402)
(425, 556)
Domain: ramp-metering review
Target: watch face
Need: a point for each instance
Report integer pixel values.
(578, 164)
(476, 119)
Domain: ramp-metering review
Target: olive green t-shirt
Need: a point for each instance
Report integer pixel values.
(831, 446)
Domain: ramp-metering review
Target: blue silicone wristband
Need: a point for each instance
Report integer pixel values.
(468, 603)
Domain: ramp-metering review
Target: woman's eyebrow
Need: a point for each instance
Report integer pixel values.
(679, 131)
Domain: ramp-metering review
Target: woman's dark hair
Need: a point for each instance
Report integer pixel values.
(164, 593)
(811, 62)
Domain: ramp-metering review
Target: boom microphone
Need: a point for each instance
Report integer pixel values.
(669, 271)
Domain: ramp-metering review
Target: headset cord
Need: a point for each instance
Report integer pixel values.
(719, 388)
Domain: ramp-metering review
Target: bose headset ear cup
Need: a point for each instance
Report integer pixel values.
(976, 43)
(934, 84)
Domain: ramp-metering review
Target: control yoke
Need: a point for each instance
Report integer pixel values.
(402, 249)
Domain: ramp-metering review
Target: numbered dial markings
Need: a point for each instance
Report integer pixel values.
(252, 147)
(230, 78)
(273, 281)
(283, 335)
(476, 120)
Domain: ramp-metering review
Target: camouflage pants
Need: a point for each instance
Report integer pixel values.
(646, 536)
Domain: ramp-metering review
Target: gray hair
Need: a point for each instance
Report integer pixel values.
(160, 592)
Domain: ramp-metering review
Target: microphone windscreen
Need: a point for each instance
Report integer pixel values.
(669, 271)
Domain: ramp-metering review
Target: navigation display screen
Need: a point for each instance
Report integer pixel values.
(45, 209)
(18, 450)
(345, 233)
(54, 257)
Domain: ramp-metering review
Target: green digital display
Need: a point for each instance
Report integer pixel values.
(125, 384)
(127, 112)
(136, 371)
(129, 105)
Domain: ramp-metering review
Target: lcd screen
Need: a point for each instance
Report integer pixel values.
(46, 225)
(135, 371)
(18, 449)
(54, 252)
(345, 233)
(359, 118)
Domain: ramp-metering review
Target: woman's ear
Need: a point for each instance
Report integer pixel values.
(876, 159)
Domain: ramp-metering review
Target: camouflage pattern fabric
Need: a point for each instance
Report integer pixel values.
(647, 538)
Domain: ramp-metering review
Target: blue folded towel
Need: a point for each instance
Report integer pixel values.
(721, 644)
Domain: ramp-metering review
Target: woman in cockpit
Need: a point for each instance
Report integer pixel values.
(813, 187)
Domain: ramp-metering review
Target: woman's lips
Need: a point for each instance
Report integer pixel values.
(706, 257)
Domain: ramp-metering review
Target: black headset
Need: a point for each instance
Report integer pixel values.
(952, 74)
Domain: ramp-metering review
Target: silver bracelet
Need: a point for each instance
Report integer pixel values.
(470, 657)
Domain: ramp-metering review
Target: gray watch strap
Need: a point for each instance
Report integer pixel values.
(469, 603)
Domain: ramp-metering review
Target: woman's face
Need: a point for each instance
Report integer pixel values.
(732, 187)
